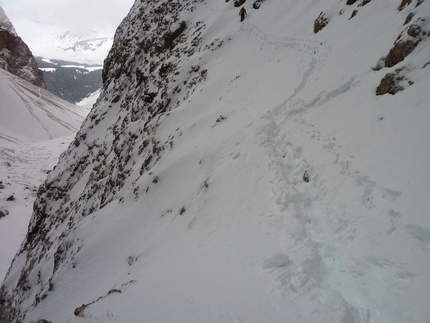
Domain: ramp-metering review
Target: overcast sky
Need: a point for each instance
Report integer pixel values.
(34, 18)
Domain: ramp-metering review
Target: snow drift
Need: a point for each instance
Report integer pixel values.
(241, 172)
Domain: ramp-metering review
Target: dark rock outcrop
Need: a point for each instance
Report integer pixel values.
(407, 41)
(15, 56)
(257, 4)
(404, 4)
(392, 83)
(320, 22)
(238, 3)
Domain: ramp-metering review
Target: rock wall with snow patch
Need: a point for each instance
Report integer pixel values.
(15, 56)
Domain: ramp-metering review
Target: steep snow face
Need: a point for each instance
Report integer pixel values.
(15, 56)
(241, 172)
(35, 127)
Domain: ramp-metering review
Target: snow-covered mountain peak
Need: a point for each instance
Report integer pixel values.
(242, 172)
(87, 46)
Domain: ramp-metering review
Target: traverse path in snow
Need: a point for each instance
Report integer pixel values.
(336, 211)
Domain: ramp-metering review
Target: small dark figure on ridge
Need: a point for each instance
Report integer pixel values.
(242, 13)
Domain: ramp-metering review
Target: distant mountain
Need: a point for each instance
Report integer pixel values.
(70, 81)
(90, 46)
(15, 56)
(83, 42)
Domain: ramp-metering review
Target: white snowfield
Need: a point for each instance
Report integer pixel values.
(29, 113)
(35, 127)
(291, 193)
(88, 102)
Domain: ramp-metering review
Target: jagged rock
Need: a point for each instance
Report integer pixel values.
(320, 22)
(354, 13)
(257, 4)
(404, 4)
(238, 3)
(419, 2)
(364, 2)
(3, 212)
(406, 42)
(79, 311)
(389, 84)
(15, 56)
(409, 18)
(4, 314)
(393, 82)
(350, 2)
(399, 52)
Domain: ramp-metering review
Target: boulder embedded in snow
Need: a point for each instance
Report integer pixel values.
(393, 82)
(257, 4)
(3, 212)
(407, 41)
(320, 22)
(238, 3)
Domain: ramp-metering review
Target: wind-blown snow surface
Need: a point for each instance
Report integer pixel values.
(35, 127)
(276, 188)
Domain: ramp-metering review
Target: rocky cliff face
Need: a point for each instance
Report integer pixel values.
(15, 56)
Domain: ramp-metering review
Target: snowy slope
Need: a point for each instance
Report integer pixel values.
(30, 113)
(35, 127)
(89, 100)
(241, 172)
